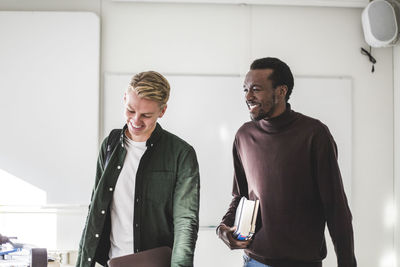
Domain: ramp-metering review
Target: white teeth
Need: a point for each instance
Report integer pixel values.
(135, 126)
(253, 105)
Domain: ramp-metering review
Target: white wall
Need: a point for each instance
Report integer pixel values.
(224, 39)
(396, 213)
(36, 72)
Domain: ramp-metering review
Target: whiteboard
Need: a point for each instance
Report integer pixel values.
(206, 111)
(49, 98)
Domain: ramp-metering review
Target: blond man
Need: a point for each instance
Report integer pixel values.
(146, 192)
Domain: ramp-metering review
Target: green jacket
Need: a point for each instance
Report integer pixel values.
(166, 211)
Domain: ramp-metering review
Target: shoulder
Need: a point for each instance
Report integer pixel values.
(246, 127)
(313, 125)
(177, 149)
(171, 139)
(244, 131)
(112, 138)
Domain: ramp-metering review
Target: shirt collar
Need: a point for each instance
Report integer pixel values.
(155, 135)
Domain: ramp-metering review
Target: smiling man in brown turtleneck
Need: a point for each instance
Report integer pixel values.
(289, 162)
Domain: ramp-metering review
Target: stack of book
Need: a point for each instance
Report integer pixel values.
(245, 219)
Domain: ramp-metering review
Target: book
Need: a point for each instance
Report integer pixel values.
(245, 219)
(156, 257)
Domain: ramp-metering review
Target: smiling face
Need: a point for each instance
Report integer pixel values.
(262, 99)
(141, 116)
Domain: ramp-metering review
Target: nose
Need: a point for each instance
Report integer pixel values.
(249, 95)
(135, 119)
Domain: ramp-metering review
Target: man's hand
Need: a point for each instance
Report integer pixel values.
(226, 234)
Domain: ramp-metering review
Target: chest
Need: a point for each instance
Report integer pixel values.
(277, 163)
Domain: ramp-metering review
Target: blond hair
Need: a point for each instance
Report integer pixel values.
(151, 85)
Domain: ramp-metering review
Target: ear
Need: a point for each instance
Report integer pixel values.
(282, 91)
(163, 111)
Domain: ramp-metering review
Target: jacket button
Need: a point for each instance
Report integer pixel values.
(96, 235)
(137, 200)
(137, 225)
(103, 212)
(89, 259)
(111, 189)
(118, 167)
(137, 250)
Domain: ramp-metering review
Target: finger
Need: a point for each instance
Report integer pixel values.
(224, 229)
(243, 243)
(238, 243)
(231, 243)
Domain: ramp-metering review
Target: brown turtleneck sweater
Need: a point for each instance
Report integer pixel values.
(290, 164)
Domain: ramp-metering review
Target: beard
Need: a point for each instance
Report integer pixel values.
(262, 114)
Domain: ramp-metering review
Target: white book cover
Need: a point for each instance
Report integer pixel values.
(245, 219)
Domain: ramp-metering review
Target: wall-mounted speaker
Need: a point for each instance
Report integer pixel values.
(380, 20)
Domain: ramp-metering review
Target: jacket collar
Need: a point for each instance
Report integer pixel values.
(155, 135)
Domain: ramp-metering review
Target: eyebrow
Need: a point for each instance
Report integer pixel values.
(252, 85)
(132, 109)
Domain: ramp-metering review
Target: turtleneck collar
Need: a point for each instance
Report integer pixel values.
(278, 123)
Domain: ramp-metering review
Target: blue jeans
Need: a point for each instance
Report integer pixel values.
(249, 262)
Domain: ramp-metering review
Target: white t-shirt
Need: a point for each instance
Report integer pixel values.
(123, 201)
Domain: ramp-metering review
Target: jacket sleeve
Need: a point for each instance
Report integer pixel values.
(186, 209)
(239, 187)
(99, 172)
(333, 197)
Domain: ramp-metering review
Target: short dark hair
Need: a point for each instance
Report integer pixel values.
(281, 75)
